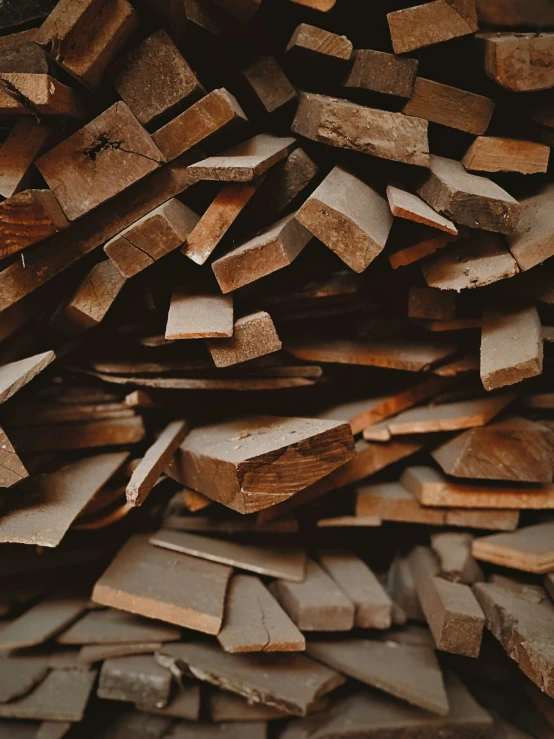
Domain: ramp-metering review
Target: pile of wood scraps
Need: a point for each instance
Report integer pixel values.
(276, 352)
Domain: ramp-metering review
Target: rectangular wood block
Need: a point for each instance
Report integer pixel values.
(254, 336)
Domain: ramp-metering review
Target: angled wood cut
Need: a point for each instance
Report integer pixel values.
(312, 44)
(24, 93)
(404, 204)
(532, 242)
(496, 154)
(520, 62)
(530, 549)
(24, 143)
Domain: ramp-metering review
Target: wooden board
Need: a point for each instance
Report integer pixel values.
(21, 675)
(404, 204)
(255, 622)
(199, 315)
(184, 705)
(288, 563)
(530, 549)
(40, 95)
(367, 130)
(41, 622)
(28, 217)
(519, 62)
(254, 335)
(497, 154)
(181, 590)
(91, 654)
(311, 44)
(137, 678)
(454, 554)
(268, 84)
(18, 152)
(381, 72)
(427, 24)
(533, 240)
(316, 603)
(111, 627)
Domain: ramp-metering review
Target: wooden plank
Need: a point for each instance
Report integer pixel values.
(418, 245)
(184, 705)
(467, 198)
(454, 554)
(111, 627)
(497, 154)
(532, 242)
(181, 590)
(245, 161)
(216, 112)
(47, 508)
(254, 621)
(150, 238)
(316, 603)
(313, 44)
(224, 706)
(511, 344)
(262, 460)
(137, 678)
(289, 682)
(12, 469)
(268, 84)
(254, 335)
(428, 24)
(41, 622)
(273, 249)
(404, 204)
(349, 217)
(519, 62)
(358, 128)
(450, 106)
(373, 607)
(21, 675)
(199, 315)
(154, 79)
(452, 612)
(24, 143)
(411, 673)
(379, 71)
(27, 218)
(390, 501)
(25, 93)
(530, 549)
(288, 563)
(91, 654)
(83, 36)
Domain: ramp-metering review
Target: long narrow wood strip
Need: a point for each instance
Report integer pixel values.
(530, 549)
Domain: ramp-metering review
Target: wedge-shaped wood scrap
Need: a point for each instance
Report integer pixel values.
(18, 152)
(271, 250)
(450, 106)
(533, 240)
(40, 623)
(99, 161)
(511, 344)
(21, 675)
(199, 315)
(469, 199)
(287, 563)
(316, 603)
(430, 23)
(514, 449)
(137, 678)
(408, 672)
(347, 125)
(12, 469)
(404, 204)
(28, 217)
(524, 627)
(215, 112)
(268, 84)
(496, 154)
(245, 161)
(255, 622)
(520, 62)
(530, 549)
(312, 44)
(476, 261)
(349, 217)
(382, 72)
(289, 682)
(38, 95)
(456, 561)
(148, 581)
(111, 627)
(45, 510)
(152, 237)
(453, 614)
(261, 460)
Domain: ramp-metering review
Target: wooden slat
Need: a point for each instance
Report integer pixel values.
(530, 549)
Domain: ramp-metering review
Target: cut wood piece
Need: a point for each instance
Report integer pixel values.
(38, 95)
(254, 336)
(273, 249)
(255, 622)
(367, 130)
(261, 460)
(108, 626)
(20, 675)
(381, 72)
(101, 160)
(395, 353)
(432, 304)
(24, 143)
(514, 449)
(151, 237)
(429, 23)
(524, 627)
(94, 653)
(456, 561)
(476, 261)
(401, 586)
(520, 62)
(62, 696)
(373, 607)
(267, 82)
(511, 344)
(349, 217)
(136, 679)
(349, 521)
(289, 682)
(418, 245)
(200, 315)
(215, 112)
(184, 705)
(496, 154)
(411, 673)
(445, 416)
(469, 199)
(46, 509)
(404, 204)
(217, 219)
(154, 79)
(28, 217)
(316, 604)
(148, 581)
(431, 488)
(452, 612)
(530, 549)
(450, 106)
(12, 469)
(224, 706)
(312, 44)
(40, 623)
(533, 240)
(245, 161)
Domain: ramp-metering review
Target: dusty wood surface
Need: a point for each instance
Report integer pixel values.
(137, 678)
(28, 217)
(254, 335)
(199, 315)
(533, 240)
(497, 154)
(530, 549)
(382, 72)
